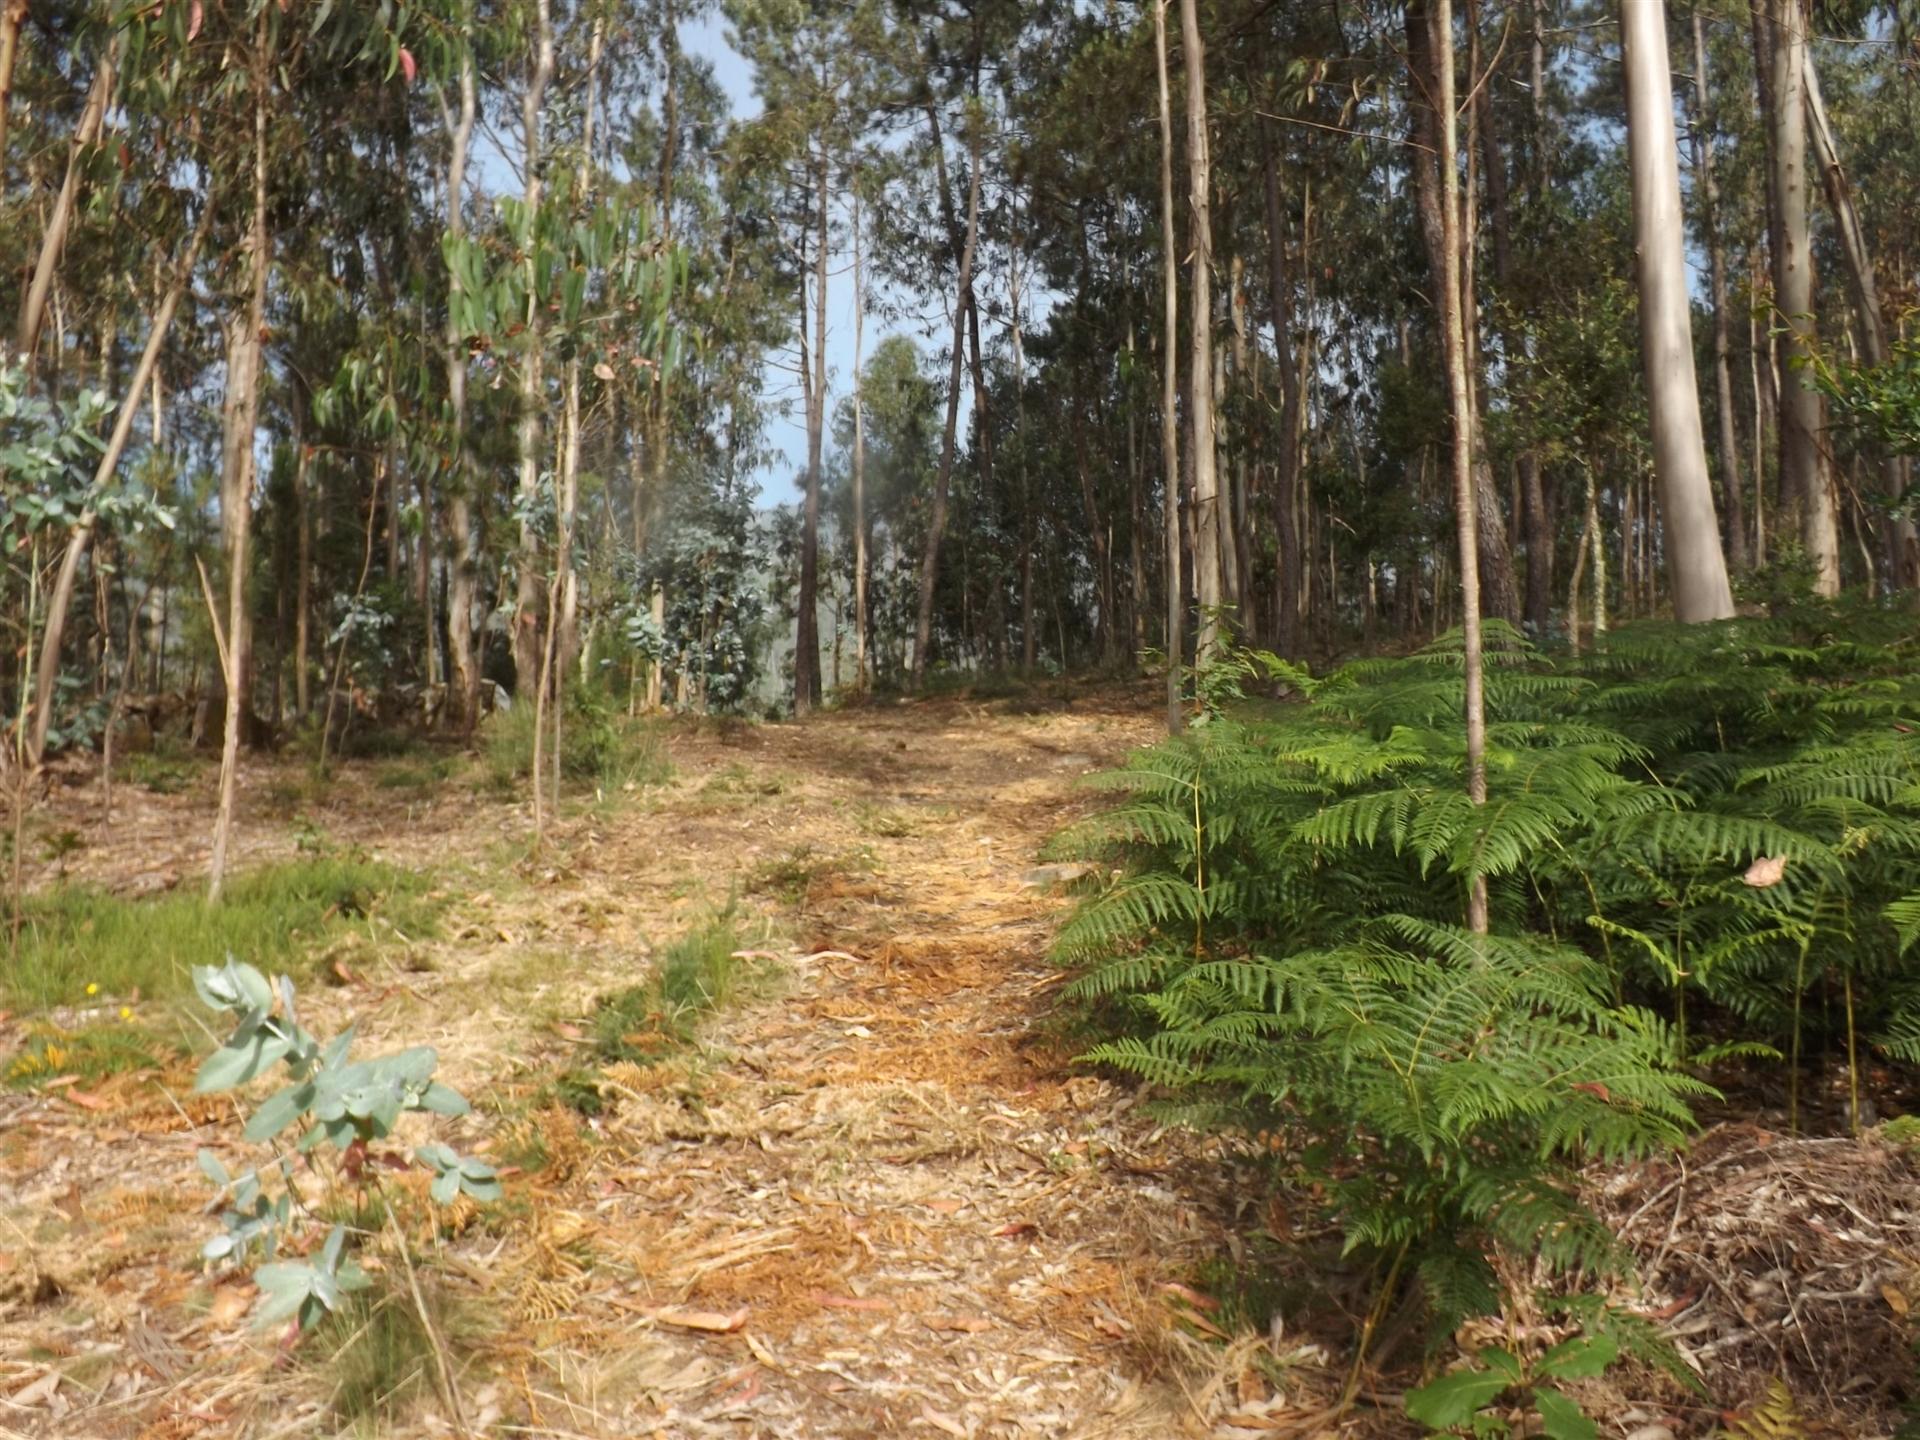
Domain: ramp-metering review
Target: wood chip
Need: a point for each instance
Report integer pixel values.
(711, 1321)
(966, 1324)
(850, 1302)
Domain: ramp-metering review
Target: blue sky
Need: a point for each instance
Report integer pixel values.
(780, 479)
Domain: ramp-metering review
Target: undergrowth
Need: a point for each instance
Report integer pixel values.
(701, 971)
(378, 1353)
(599, 748)
(693, 975)
(1700, 845)
(90, 1052)
(74, 936)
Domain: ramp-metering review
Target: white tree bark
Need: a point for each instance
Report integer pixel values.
(1696, 563)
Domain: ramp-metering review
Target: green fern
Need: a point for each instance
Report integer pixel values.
(1283, 948)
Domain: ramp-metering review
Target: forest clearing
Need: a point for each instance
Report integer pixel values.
(786, 718)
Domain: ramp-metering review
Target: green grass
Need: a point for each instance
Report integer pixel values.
(92, 1053)
(163, 771)
(693, 976)
(73, 936)
(600, 749)
(413, 774)
(378, 1353)
(793, 875)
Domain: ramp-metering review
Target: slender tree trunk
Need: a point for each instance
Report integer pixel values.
(1695, 561)
(1858, 258)
(859, 460)
(1530, 508)
(1803, 473)
(563, 592)
(1493, 570)
(463, 679)
(806, 654)
(303, 552)
(1460, 406)
(60, 599)
(1287, 451)
(1029, 640)
(1170, 381)
(1759, 456)
(527, 586)
(33, 308)
(1136, 520)
(943, 479)
(1208, 527)
(1709, 191)
(245, 335)
(13, 14)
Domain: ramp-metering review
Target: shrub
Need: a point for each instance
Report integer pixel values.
(693, 975)
(598, 747)
(1708, 821)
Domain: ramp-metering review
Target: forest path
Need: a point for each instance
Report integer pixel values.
(876, 1198)
(930, 1222)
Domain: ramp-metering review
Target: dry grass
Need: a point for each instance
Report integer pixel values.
(876, 1202)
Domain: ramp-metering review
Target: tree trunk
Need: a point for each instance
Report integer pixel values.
(33, 307)
(1531, 503)
(1866, 300)
(1170, 382)
(13, 14)
(1453, 323)
(1695, 561)
(859, 461)
(303, 552)
(806, 652)
(527, 586)
(245, 337)
(1286, 588)
(1207, 524)
(60, 600)
(1493, 571)
(1028, 638)
(1804, 475)
(563, 606)
(937, 519)
(1730, 483)
(463, 679)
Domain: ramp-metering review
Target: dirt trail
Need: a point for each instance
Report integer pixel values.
(882, 1177)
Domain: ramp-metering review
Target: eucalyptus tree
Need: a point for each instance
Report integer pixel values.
(1805, 477)
(1694, 557)
(812, 66)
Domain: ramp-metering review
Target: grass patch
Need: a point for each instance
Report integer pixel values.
(161, 771)
(793, 876)
(599, 748)
(92, 1052)
(414, 775)
(73, 936)
(378, 1352)
(693, 976)
(886, 822)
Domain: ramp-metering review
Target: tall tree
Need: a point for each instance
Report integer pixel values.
(1695, 560)
(527, 606)
(1708, 190)
(1212, 521)
(1437, 25)
(1804, 474)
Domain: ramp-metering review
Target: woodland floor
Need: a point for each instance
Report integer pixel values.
(882, 1174)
